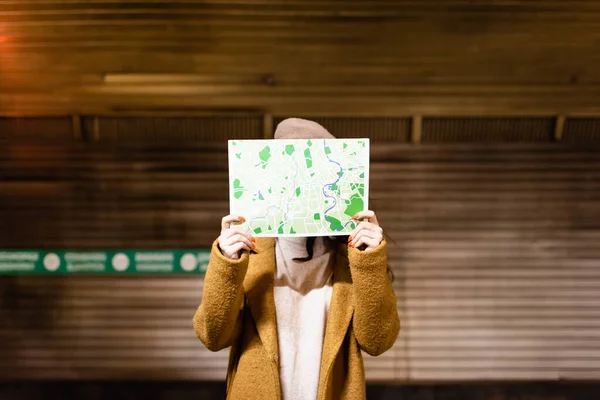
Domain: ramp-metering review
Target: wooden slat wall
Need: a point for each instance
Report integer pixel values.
(499, 250)
(327, 57)
(494, 247)
(125, 183)
(157, 193)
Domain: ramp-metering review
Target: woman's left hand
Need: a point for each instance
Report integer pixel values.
(367, 233)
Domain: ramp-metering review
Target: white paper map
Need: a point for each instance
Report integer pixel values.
(298, 187)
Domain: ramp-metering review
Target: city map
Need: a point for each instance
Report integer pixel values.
(298, 187)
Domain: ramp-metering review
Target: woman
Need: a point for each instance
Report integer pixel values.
(298, 311)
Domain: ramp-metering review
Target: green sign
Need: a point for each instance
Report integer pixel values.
(72, 262)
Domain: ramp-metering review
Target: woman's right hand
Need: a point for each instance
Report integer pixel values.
(233, 240)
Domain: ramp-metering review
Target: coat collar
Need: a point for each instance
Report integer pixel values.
(258, 286)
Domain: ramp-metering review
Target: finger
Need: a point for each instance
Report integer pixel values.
(369, 242)
(363, 225)
(236, 248)
(247, 235)
(228, 220)
(235, 231)
(368, 216)
(363, 233)
(237, 237)
(242, 238)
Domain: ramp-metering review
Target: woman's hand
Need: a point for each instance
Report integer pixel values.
(368, 232)
(233, 240)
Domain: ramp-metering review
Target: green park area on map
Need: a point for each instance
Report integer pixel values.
(298, 187)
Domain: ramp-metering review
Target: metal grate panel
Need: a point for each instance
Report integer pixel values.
(175, 129)
(582, 129)
(499, 130)
(36, 127)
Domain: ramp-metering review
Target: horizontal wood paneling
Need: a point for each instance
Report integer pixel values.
(383, 58)
(104, 328)
(494, 248)
(498, 248)
(156, 196)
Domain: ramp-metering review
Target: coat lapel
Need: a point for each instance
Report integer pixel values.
(339, 316)
(258, 286)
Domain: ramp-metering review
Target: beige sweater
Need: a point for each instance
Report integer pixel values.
(302, 293)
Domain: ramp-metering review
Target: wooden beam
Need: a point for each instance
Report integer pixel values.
(187, 71)
(268, 126)
(179, 112)
(559, 127)
(416, 129)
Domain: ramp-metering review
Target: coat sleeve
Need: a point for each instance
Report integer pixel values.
(376, 323)
(218, 319)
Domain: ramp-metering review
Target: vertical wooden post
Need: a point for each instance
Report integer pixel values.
(96, 129)
(76, 124)
(268, 126)
(417, 128)
(559, 127)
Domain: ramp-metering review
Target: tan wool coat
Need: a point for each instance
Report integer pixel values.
(238, 310)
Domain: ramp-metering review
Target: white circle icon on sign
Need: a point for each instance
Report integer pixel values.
(188, 262)
(51, 262)
(120, 262)
(203, 257)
